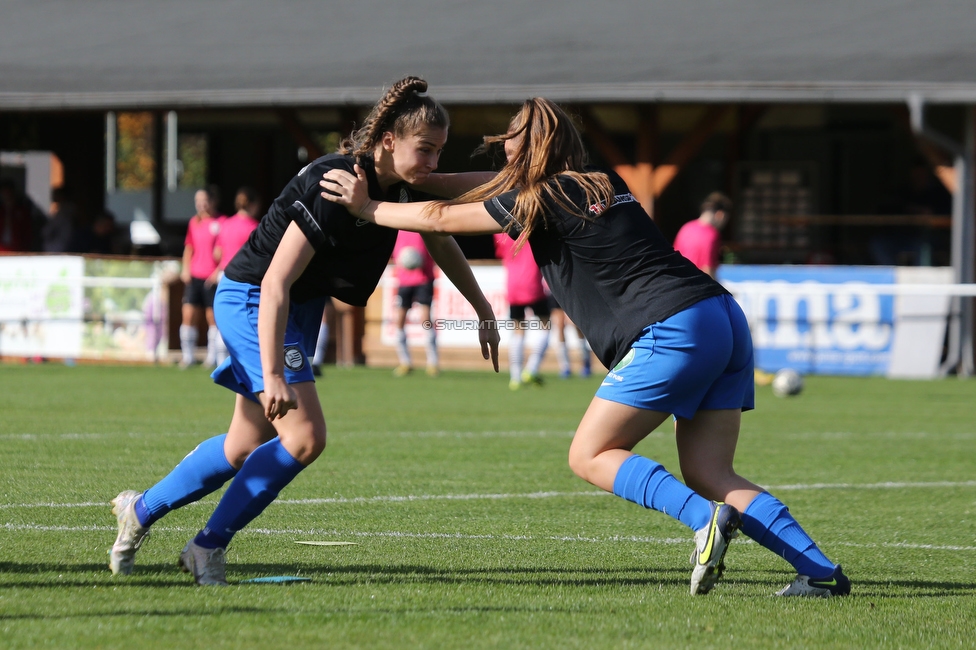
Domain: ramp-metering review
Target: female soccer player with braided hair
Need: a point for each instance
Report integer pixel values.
(268, 307)
(676, 341)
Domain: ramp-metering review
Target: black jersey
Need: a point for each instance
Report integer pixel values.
(350, 254)
(615, 273)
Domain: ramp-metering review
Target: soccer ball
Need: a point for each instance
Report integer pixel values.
(787, 382)
(409, 258)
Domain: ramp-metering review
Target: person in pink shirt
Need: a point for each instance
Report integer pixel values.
(414, 272)
(234, 232)
(525, 290)
(699, 240)
(200, 275)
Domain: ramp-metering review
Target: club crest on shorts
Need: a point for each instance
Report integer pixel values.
(626, 361)
(294, 358)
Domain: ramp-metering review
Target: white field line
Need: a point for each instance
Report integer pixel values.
(442, 497)
(345, 435)
(889, 485)
(317, 532)
(94, 436)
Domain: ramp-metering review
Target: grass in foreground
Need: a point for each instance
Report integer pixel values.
(470, 529)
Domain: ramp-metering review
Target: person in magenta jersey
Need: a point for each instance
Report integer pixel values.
(698, 240)
(200, 275)
(525, 289)
(234, 232)
(414, 271)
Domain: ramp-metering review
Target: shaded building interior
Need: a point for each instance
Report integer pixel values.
(811, 183)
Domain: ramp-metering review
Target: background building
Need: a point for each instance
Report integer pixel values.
(842, 131)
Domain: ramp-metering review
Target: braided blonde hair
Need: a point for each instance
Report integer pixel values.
(403, 110)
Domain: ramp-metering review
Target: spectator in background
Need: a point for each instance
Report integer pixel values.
(699, 240)
(200, 275)
(106, 237)
(16, 218)
(322, 342)
(58, 232)
(414, 271)
(559, 323)
(96, 235)
(234, 232)
(525, 290)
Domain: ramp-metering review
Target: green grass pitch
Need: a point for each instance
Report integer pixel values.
(470, 529)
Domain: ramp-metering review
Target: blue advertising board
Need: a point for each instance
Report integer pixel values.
(845, 330)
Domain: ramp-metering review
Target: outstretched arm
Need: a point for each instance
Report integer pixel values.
(449, 257)
(351, 191)
(290, 259)
(452, 185)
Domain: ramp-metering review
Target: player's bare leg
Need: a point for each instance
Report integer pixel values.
(601, 454)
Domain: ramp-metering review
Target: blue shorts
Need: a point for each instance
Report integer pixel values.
(699, 359)
(236, 313)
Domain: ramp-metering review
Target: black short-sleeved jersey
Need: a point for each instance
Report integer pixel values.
(615, 273)
(350, 253)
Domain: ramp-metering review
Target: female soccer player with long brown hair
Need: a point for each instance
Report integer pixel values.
(676, 341)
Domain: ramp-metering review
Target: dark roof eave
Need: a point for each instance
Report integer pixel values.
(673, 92)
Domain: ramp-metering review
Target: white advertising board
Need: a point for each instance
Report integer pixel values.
(73, 307)
(41, 306)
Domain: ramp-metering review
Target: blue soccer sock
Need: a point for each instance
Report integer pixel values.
(648, 484)
(770, 523)
(266, 471)
(204, 470)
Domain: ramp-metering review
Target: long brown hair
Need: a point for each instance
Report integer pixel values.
(547, 145)
(402, 111)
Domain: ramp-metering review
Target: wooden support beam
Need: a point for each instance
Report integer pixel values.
(601, 140)
(688, 148)
(646, 181)
(639, 176)
(646, 155)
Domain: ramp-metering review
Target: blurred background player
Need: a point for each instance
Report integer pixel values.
(322, 342)
(560, 321)
(58, 232)
(200, 276)
(414, 271)
(523, 283)
(234, 232)
(19, 218)
(700, 240)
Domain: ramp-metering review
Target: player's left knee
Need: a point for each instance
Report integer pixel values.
(580, 461)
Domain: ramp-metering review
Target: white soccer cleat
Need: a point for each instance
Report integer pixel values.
(205, 564)
(836, 584)
(122, 557)
(711, 542)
